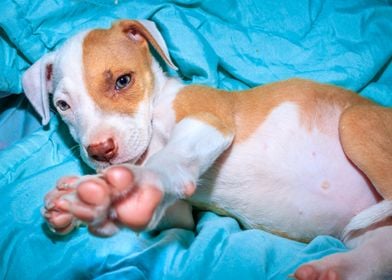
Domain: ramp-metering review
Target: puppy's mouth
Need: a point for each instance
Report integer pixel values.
(142, 157)
(117, 158)
(139, 160)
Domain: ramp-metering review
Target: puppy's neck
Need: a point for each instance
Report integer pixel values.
(163, 116)
(165, 87)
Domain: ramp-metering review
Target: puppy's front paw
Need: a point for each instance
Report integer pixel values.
(118, 196)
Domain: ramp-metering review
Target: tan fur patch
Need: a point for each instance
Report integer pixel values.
(244, 111)
(207, 104)
(108, 54)
(316, 102)
(366, 136)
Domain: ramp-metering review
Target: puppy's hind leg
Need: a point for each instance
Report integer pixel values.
(370, 259)
(366, 137)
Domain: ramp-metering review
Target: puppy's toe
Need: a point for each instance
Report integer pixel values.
(94, 191)
(66, 183)
(120, 179)
(60, 222)
(306, 272)
(136, 210)
(334, 267)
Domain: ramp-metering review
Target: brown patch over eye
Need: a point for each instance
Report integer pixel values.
(117, 71)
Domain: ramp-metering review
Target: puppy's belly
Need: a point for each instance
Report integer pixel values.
(287, 179)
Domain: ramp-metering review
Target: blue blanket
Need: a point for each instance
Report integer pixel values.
(223, 43)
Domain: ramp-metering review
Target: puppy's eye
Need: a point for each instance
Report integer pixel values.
(62, 105)
(123, 81)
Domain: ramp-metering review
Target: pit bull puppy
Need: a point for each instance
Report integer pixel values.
(296, 158)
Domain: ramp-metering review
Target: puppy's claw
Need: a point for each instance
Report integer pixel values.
(112, 214)
(49, 205)
(46, 214)
(105, 230)
(65, 230)
(63, 186)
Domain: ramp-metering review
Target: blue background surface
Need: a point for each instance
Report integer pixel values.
(223, 43)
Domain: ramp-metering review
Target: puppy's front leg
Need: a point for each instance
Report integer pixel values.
(196, 142)
(137, 197)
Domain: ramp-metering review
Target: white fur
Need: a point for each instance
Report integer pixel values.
(37, 87)
(190, 151)
(152, 29)
(368, 217)
(163, 118)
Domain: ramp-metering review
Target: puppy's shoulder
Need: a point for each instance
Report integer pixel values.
(194, 100)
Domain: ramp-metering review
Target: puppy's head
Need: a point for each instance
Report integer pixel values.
(102, 82)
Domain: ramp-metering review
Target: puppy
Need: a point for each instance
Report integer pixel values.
(296, 158)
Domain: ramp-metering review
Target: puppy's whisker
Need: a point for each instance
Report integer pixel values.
(75, 150)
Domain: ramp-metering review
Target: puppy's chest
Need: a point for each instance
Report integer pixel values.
(260, 163)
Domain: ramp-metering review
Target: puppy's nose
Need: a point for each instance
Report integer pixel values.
(103, 151)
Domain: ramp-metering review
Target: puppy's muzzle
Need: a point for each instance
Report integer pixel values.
(103, 151)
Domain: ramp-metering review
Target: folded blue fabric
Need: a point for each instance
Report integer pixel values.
(226, 44)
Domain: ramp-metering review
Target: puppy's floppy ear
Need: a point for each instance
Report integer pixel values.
(37, 83)
(139, 30)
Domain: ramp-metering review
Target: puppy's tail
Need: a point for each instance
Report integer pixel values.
(368, 217)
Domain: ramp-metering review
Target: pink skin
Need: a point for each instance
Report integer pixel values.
(309, 272)
(102, 202)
